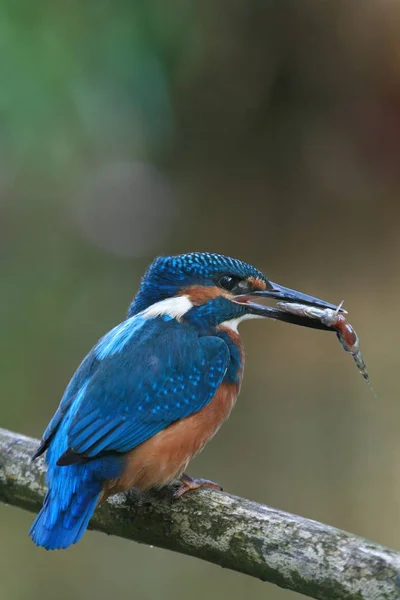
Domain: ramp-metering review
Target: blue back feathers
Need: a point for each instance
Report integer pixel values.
(116, 339)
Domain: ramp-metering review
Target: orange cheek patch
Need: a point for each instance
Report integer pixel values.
(257, 283)
(200, 294)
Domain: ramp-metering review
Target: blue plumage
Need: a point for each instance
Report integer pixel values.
(164, 363)
(116, 339)
(73, 492)
(156, 380)
(141, 377)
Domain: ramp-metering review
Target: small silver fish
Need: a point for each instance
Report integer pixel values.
(346, 334)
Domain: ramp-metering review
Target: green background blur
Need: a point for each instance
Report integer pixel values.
(265, 130)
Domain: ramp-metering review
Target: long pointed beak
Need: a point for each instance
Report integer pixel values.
(279, 292)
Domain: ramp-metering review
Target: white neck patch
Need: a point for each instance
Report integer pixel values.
(234, 323)
(174, 307)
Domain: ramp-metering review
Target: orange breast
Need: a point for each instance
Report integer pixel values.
(165, 456)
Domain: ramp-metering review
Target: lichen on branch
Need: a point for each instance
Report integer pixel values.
(293, 552)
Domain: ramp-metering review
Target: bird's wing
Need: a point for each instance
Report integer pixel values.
(111, 343)
(147, 375)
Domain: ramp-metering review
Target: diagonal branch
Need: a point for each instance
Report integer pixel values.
(296, 553)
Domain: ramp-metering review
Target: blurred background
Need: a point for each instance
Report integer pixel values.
(266, 130)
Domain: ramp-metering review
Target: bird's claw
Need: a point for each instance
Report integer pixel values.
(189, 484)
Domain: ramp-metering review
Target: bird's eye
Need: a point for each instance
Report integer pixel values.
(228, 282)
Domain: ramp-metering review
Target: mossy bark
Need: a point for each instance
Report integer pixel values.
(295, 553)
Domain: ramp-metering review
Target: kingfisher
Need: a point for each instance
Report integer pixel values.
(155, 389)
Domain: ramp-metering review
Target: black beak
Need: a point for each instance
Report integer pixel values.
(281, 293)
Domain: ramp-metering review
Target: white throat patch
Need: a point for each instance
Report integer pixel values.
(234, 323)
(174, 307)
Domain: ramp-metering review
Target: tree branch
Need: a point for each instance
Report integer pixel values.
(302, 555)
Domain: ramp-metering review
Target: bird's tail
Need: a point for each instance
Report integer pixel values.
(73, 493)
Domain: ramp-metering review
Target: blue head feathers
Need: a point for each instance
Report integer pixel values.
(167, 275)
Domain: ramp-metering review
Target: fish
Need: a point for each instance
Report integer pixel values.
(334, 318)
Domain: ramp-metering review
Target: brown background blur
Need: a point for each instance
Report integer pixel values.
(265, 130)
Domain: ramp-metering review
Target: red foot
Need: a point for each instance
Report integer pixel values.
(188, 484)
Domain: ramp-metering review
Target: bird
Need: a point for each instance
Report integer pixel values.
(155, 389)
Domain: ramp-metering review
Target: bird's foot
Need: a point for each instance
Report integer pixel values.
(188, 484)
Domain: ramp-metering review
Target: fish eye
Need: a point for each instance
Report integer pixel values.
(228, 282)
